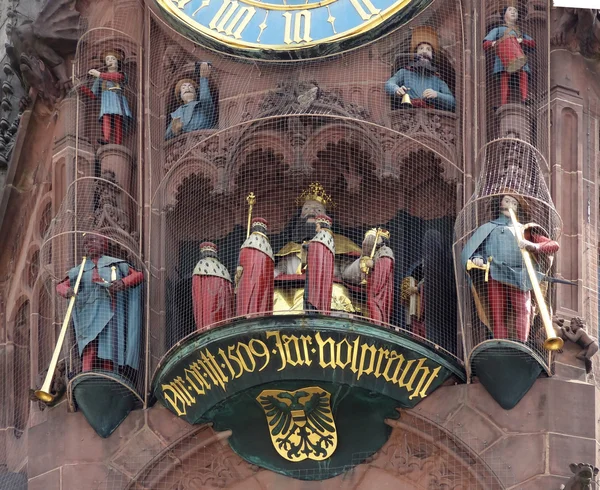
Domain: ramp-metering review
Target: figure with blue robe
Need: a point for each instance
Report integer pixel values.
(508, 43)
(109, 88)
(196, 112)
(508, 291)
(420, 79)
(107, 315)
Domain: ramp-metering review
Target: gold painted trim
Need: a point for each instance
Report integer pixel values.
(171, 9)
(272, 6)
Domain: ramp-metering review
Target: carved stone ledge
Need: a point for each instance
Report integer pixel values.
(435, 128)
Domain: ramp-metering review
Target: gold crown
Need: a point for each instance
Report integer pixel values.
(315, 192)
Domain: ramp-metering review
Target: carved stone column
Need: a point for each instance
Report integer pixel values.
(117, 162)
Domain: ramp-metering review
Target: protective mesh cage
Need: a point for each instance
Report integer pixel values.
(165, 145)
(305, 138)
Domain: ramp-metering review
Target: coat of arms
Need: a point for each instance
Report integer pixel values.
(300, 422)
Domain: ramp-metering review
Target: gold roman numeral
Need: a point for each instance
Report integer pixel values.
(299, 24)
(232, 18)
(365, 8)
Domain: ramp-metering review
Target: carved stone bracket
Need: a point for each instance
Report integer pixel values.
(436, 129)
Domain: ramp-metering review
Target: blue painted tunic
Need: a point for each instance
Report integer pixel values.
(498, 33)
(417, 82)
(195, 115)
(495, 239)
(112, 99)
(93, 313)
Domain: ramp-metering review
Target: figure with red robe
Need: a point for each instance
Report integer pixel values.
(320, 257)
(255, 272)
(107, 315)
(378, 273)
(212, 290)
(109, 85)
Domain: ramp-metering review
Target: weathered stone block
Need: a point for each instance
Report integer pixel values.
(46, 481)
(480, 432)
(138, 451)
(524, 456)
(565, 450)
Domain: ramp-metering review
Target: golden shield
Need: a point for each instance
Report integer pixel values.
(300, 422)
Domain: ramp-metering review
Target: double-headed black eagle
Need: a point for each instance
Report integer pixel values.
(301, 429)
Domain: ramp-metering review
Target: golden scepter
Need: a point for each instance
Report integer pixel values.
(251, 199)
(43, 393)
(552, 342)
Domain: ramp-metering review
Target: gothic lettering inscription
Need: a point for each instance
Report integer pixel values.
(215, 369)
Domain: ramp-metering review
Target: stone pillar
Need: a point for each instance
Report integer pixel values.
(514, 121)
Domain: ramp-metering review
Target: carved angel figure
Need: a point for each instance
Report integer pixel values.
(38, 49)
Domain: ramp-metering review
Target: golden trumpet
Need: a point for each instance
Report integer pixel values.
(552, 342)
(43, 393)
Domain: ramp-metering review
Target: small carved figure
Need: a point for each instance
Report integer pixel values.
(197, 111)
(411, 297)
(254, 274)
(38, 49)
(508, 42)
(508, 279)
(115, 114)
(576, 333)
(420, 79)
(212, 291)
(320, 256)
(107, 313)
(584, 475)
(378, 272)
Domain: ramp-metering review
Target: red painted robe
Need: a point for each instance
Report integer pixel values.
(319, 272)
(255, 288)
(212, 293)
(380, 286)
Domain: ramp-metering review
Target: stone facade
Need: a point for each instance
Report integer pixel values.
(458, 437)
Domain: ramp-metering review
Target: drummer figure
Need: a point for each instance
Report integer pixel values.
(508, 43)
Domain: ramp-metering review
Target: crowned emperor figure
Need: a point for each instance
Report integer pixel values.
(288, 267)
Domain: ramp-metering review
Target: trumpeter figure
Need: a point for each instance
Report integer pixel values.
(107, 315)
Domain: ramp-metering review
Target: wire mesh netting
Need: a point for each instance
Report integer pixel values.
(201, 187)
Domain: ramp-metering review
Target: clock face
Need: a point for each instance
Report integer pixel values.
(286, 25)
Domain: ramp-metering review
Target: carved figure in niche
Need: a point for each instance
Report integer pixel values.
(197, 111)
(377, 269)
(420, 79)
(320, 256)
(212, 291)
(411, 297)
(508, 280)
(254, 274)
(508, 42)
(37, 50)
(107, 313)
(108, 86)
(584, 475)
(576, 333)
(289, 273)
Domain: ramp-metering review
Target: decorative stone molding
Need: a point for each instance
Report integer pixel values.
(577, 30)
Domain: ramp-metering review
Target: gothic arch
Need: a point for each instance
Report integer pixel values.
(418, 455)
